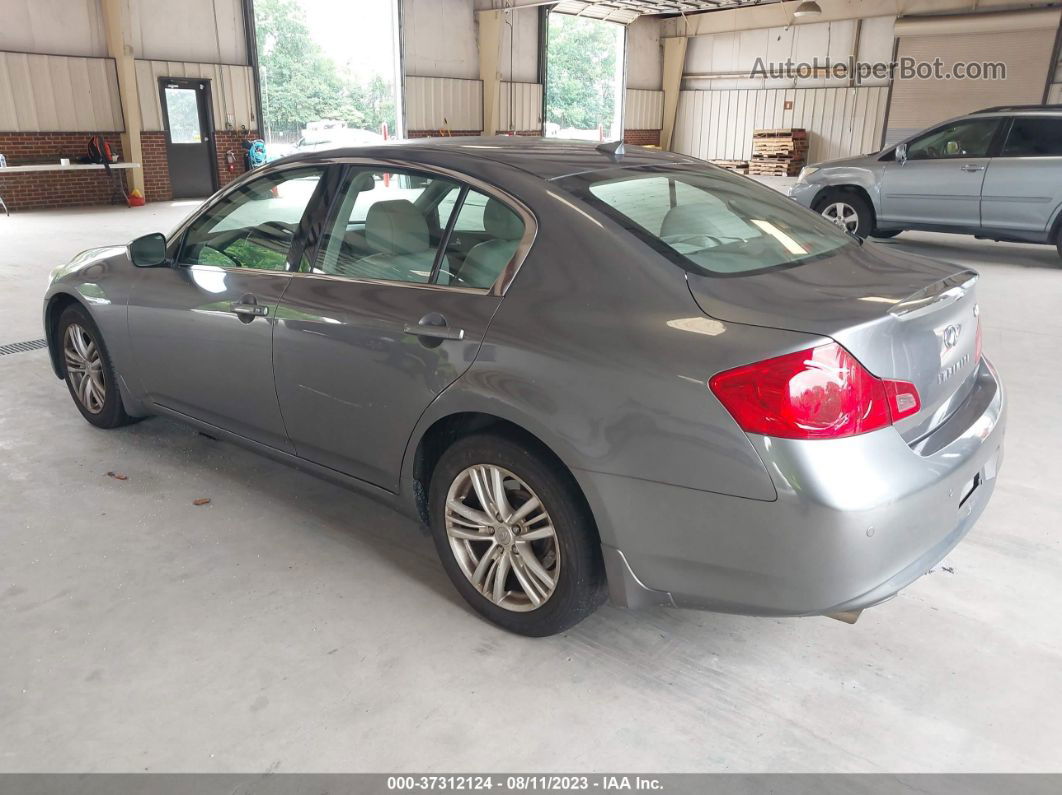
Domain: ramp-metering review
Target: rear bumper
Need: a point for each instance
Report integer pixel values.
(855, 521)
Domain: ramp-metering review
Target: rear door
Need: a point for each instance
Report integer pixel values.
(939, 184)
(1023, 184)
(202, 329)
(385, 316)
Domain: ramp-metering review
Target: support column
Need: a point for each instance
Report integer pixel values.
(674, 62)
(117, 25)
(491, 24)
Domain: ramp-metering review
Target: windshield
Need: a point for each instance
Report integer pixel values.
(708, 219)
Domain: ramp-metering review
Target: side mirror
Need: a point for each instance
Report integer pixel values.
(901, 153)
(148, 251)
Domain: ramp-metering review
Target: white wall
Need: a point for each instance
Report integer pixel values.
(56, 93)
(204, 31)
(439, 39)
(209, 31)
(231, 92)
(519, 46)
(645, 55)
(737, 53)
(718, 125)
(57, 27)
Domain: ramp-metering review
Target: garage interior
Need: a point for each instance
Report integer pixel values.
(293, 626)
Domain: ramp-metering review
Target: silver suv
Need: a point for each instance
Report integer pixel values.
(996, 174)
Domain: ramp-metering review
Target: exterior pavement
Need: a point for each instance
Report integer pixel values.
(290, 625)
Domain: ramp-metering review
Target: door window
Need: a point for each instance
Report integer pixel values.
(1032, 136)
(182, 112)
(389, 226)
(254, 226)
(967, 138)
(485, 237)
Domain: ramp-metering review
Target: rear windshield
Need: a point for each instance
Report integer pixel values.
(709, 220)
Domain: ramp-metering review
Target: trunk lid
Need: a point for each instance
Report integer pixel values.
(904, 317)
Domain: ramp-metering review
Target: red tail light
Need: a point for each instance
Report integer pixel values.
(819, 393)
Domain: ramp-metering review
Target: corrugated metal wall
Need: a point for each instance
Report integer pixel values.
(718, 125)
(231, 91)
(435, 103)
(644, 110)
(525, 100)
(55, 93)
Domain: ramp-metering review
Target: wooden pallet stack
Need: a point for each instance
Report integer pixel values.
(778, 153)
(740, 166)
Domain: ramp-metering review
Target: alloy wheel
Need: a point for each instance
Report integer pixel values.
(842, 214)
(84, 368)
(502, 537)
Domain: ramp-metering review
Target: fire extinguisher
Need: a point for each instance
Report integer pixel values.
(230, 160)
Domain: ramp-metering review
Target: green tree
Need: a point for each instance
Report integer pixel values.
(299, 82)
(581, 81)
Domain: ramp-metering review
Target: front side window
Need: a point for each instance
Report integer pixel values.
(1032, 136)
(254, 225)
(710, 221)
(418, 228)
(967, 138)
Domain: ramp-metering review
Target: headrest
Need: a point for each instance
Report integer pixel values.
(396, 227)
(684, 220)
(500, 222)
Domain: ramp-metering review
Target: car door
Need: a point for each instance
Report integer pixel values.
(939, 183)
(202, 329)
(389, 313)
(1023, 185)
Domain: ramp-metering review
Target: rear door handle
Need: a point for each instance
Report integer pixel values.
(972, 167)
(433, 326)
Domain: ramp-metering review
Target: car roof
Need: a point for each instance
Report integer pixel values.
(547, 158)
(1050, 110)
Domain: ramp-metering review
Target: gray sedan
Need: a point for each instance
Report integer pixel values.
(995, 174)
(590, 373)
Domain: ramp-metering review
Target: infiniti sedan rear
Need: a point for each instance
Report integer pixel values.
(589, 373)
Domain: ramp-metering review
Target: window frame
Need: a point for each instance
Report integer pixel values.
(1011, 123)
(348, 165)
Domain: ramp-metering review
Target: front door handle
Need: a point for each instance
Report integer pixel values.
(972, 167)
(433, 326)
(252, 310)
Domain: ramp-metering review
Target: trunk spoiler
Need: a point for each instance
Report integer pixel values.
(945, 291)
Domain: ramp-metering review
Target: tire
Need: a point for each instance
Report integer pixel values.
(848, 210)
(885, 235)
(570, 557)
(1058, 241)
(82, 350)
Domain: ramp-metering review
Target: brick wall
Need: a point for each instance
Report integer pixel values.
(47, 189)
(156, 168)
(642, 137)
(157, 185)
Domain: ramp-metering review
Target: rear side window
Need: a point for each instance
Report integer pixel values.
(1032, 136)
(709, 220)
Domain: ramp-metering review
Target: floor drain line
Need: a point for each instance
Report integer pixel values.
(23, 347)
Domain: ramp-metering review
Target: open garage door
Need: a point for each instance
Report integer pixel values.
(1023, 42)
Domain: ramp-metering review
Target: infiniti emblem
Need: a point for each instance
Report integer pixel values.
(951, 337)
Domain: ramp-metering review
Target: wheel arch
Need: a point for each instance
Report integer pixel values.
(53, 310)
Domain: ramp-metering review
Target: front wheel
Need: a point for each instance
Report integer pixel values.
(848, 210)
(88, 370)
(513, 536)
(886, 234)
(1058, 241)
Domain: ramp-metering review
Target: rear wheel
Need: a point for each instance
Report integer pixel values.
(88, 370)
(513, 536)
(848, 210)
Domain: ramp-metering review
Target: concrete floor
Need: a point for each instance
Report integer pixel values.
(290, 625)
